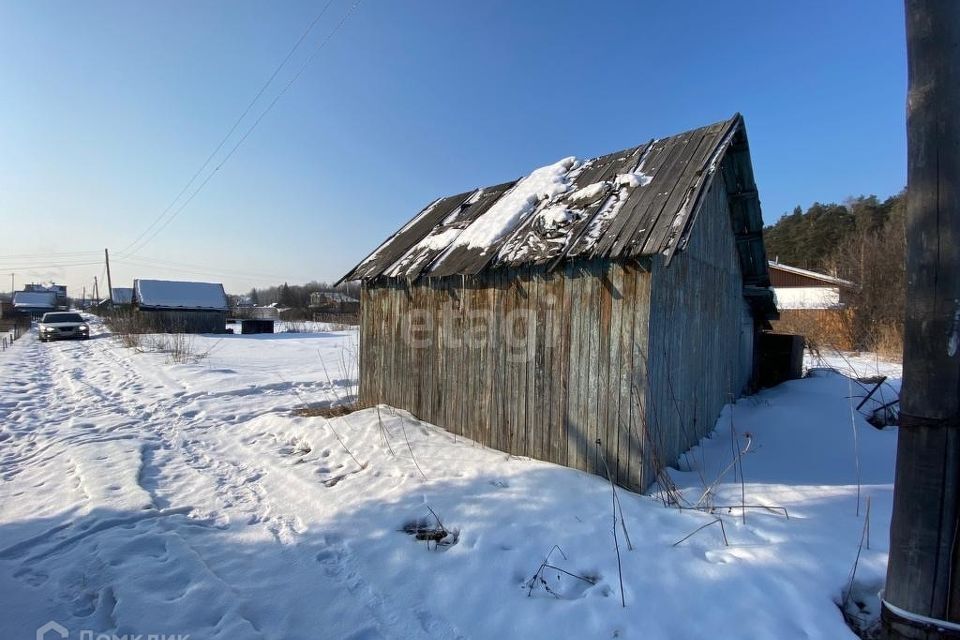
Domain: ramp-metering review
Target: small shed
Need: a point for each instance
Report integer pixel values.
(34, 303)
(167, 306)
(616, 299)
(257, 313)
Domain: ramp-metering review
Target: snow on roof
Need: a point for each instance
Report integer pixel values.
(122, 295)
(810, 274)
(170, 294)
(35, 299)
(637, 202)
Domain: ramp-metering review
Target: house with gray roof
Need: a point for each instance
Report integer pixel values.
(35, 303)
(168, 306)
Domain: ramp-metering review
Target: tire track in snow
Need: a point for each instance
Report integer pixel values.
(173, 428)
(235, 483)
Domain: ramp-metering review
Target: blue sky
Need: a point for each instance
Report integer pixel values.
(108, 108)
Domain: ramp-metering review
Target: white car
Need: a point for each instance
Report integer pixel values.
(63, 326)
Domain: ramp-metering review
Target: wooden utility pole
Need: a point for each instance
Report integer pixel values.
(96, 291)
(106, 255)
(922, 594)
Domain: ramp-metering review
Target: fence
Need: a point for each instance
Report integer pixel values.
(11, 330)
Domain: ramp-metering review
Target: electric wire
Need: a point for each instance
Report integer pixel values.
(140, 242)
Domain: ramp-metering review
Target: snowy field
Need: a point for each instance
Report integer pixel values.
(142, 496)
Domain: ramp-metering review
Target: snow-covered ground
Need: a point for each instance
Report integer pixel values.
(141, 496)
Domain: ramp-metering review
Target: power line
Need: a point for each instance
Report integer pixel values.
(133, 246)
(47, 256)
(194, 268)
(52, 265)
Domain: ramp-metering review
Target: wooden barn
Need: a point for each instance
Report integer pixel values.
(165, 306)
(614, 299)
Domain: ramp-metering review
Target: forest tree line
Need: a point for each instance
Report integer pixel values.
(862, 240)
(297, 296)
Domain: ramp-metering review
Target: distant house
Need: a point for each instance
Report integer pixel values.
(797, 288)
(60, 290)
(333, 302)
(167, 306)
(812, 304)
(34, 303)
(593, 313)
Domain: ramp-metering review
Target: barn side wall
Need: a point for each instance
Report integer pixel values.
(701, 334)
(533, 363)
(168, 321)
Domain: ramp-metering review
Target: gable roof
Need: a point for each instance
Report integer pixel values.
(636, 202)
(171, 294)
(822, 277)
(35, 299)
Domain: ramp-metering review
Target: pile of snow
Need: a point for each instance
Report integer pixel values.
(633, 180)
(438, 241)
(516, 204)
(590, 193)
(140, 496)
(558, 216)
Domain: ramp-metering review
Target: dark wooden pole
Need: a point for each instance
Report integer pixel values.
(106, 255)
(923, 575)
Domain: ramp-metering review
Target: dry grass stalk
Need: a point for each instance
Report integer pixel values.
(538, 580)
(723, 530)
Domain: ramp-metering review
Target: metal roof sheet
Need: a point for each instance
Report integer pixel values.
(35, 299)
(171, 294)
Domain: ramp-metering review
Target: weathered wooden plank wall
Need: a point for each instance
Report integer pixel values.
(696, 314)
(534, 363)
(543, 364)
(171, 321)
